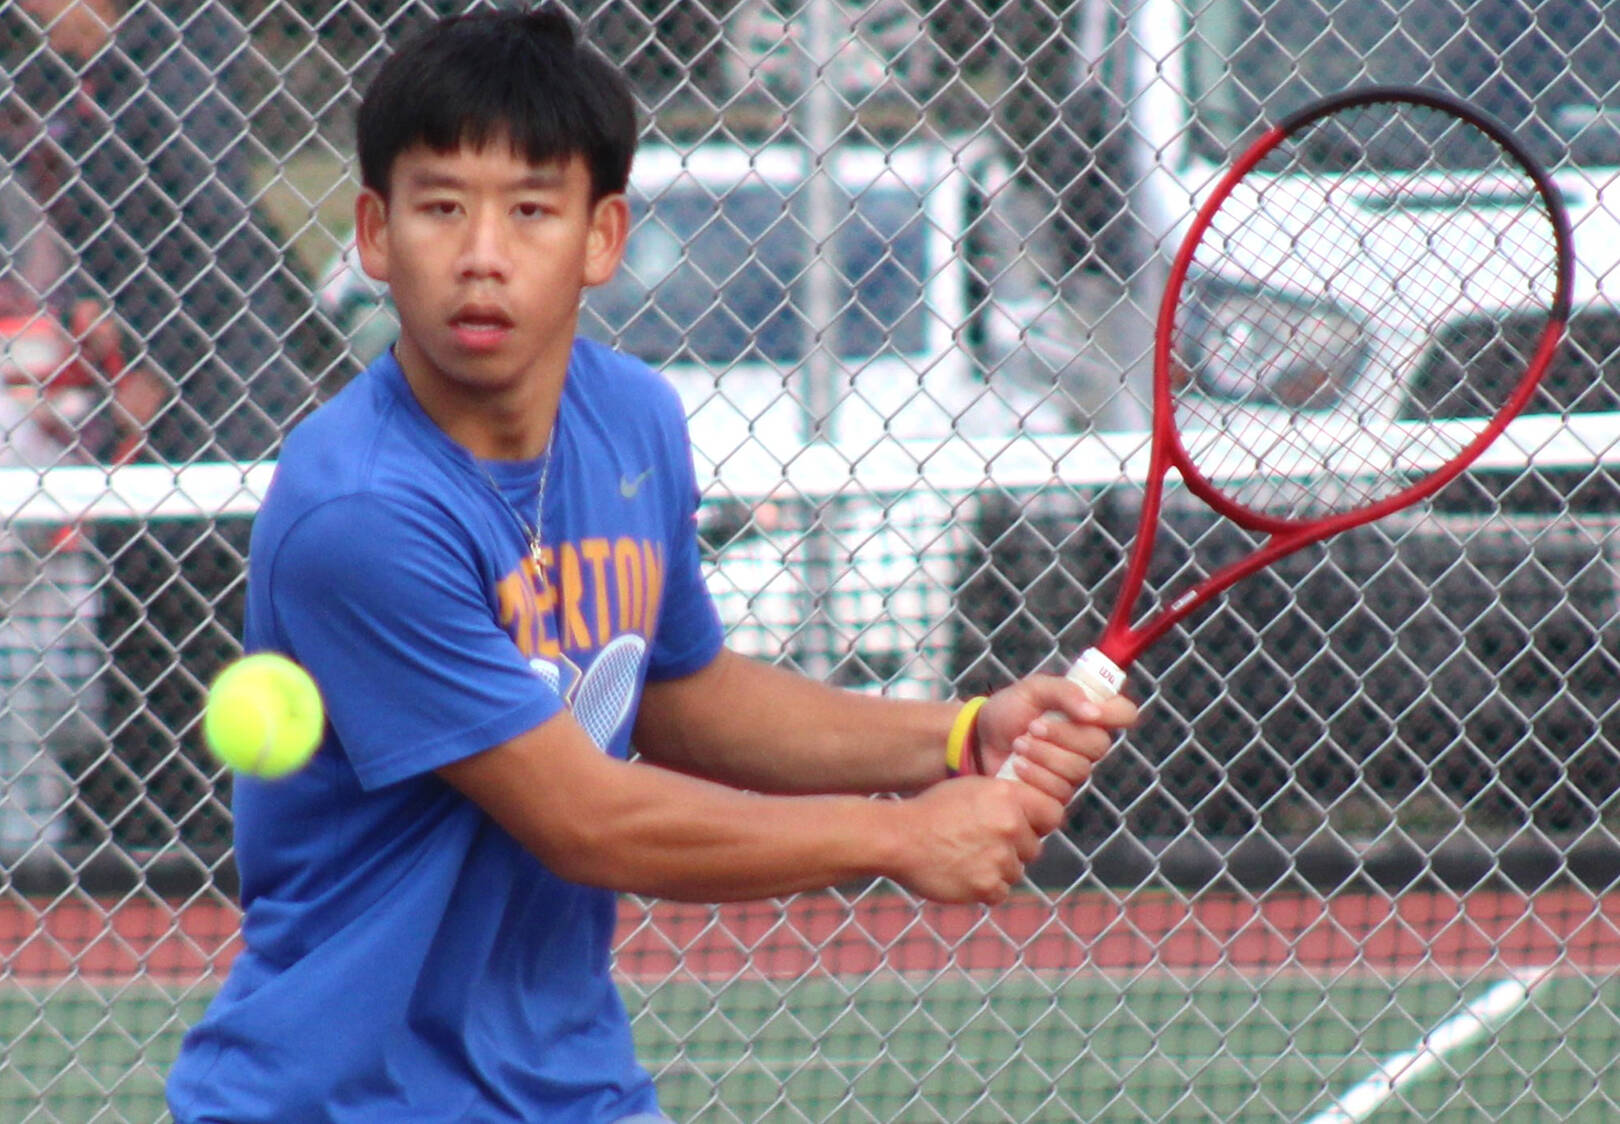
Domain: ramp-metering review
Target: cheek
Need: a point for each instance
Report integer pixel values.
(412, 298)
(413, 264)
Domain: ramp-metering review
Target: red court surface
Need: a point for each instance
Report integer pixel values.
(141, 938)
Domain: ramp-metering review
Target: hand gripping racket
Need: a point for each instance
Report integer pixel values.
(1308, 358)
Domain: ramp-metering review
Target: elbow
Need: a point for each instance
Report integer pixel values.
(580, 850)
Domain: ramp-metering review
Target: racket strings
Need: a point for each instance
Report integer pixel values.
(603, 699)
(1340, 336)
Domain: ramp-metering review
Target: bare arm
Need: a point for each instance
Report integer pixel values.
(746, 723)
(640, 828)
(680, 825)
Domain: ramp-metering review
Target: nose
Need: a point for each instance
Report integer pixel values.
(484, 253)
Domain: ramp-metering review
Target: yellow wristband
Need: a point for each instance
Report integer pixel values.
(961, 730)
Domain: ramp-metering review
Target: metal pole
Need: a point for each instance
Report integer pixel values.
(819, 126)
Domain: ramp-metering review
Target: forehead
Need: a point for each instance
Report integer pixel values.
(497, 164)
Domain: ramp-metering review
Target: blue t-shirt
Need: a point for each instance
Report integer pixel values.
(405, 959)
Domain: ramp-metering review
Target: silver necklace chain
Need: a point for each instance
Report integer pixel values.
(530, 532)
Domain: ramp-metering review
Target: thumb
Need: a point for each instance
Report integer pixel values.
(1043, 813)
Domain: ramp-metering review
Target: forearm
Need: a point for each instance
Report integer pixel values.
(640, 828)
(707, 842)
(749, 724)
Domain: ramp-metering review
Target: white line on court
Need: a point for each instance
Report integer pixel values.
(1400, 1071)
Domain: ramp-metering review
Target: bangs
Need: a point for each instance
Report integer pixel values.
(536, 131)
(544, 95)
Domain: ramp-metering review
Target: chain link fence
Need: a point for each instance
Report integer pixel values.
(901, 258)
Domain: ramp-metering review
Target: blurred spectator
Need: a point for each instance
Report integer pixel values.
(68, 398)
(127, 129)
(144, 158)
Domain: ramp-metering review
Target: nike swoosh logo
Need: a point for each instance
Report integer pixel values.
(630, 485)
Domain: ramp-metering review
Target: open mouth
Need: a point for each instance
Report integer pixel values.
(480, 328)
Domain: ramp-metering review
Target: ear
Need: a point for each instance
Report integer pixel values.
(609, 234)
(370, 230)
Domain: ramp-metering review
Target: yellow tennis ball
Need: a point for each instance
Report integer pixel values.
(264, 716)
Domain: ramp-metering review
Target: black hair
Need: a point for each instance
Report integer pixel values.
(521, 77)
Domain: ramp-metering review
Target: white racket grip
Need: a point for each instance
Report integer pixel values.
(1101, 679)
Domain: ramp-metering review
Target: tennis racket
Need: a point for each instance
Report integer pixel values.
(602, 699)
(1308, 373)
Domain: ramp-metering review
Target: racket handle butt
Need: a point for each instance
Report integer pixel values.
(1098, 676)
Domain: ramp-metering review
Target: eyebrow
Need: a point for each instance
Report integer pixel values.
(537, 180)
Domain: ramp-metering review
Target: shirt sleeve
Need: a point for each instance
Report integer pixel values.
(384, 606)
(689, 633)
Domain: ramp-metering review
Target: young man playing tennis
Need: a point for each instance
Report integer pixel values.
(493, 613)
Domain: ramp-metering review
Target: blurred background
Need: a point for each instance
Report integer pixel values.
(902, 260)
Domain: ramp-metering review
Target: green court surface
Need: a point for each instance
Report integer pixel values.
(1150, 1046)
(79, 1053)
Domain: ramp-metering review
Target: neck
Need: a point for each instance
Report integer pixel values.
(503, 422)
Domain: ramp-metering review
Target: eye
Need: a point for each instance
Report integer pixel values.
(531, 209)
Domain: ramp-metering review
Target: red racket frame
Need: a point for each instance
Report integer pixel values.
(1123, 642)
